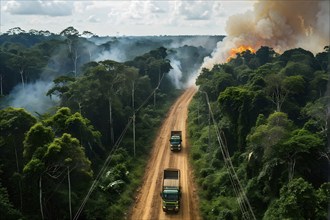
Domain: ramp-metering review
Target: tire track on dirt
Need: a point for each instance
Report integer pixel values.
(148, 201)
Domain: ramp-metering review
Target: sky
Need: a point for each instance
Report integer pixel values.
(122, 18)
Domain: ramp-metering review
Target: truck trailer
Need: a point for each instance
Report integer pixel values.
(176, 140)
(171, 192)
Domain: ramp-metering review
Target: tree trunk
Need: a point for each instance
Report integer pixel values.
(19, 181)
(90, 55)
(40, 199)
(291, 167)
(133, 107)
(111, 124)
(69, 183)
(1, 85)
(75, 60)
(21, 72)
(328, 137)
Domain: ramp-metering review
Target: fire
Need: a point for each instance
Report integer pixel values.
(232, 53)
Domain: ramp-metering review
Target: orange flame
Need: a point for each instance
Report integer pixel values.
(240, 49)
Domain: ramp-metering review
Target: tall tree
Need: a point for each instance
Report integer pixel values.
(301, 144)
(6, 208)
(276, 90)
(72, 39)
(297, 201)
(265, 55)
(318, 114)
(14, 123)
(263, 140)
(36, 140)
(64, 121)
(239, 104)
(64, 159)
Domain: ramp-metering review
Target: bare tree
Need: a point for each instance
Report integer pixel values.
(276, 90)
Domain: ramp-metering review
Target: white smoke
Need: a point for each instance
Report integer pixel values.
(175, 73)
(33, 97)
(185, 53)
(177, 78)
(115, 54)
(192, 79)
(281, 25)
(206, 42)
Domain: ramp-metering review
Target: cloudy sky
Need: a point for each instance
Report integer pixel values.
(115, 17)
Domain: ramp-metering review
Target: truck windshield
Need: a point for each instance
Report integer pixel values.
(175, 139)
(170, 196)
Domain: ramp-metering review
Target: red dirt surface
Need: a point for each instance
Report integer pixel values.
(148, 204)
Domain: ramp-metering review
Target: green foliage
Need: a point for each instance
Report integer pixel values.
(61, 86)
(298, 68)
(34, 166)
(46, 159)
(64, 121)
(6, 208)
(265, 55)
(297, 201)
(297, 55)
(303, 150)
(263, 138)
(271, 150)
(154, 64)
(303, 141)
(15, 120)
(14, 123)
(239, 104)
(95, 105)
(316, 112)
(318, 85)
(104, 94)
(258, 195)
(114, 180)
(105, 91)
(323, 58)
(63, 157)
(296, 84)
(36, 140)
(67, 152)
(322, 205)
(217, 82)
(272, 119)
(27, 57)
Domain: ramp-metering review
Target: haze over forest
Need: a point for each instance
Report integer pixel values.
(186, 54)
(79, 114)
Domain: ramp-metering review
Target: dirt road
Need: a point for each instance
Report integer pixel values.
(148, 201)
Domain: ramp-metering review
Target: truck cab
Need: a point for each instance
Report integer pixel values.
(171, 190)
(176, 140)
(171, 200)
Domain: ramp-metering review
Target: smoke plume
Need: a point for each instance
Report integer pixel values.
(281, 25)
(33, 97)
(175, 73)
(185, 53)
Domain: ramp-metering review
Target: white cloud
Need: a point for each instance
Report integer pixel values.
(156, 7)
(136, 12)
(142, 12)
(39, 7)
(218, 9)
(93, 19)
(113, 17)
(82, 6)
(196, 10)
